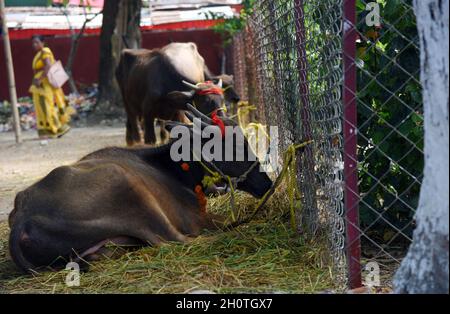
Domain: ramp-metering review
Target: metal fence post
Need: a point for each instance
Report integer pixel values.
(350, 147)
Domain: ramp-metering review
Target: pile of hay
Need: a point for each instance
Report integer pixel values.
(263, 256)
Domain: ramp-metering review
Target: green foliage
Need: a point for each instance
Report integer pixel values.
(228, 27)
(390, 115)
(65, 3)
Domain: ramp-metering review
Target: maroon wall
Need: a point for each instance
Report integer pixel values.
(85, 68)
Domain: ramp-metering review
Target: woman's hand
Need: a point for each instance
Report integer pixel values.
(47, 66)
(37, 82)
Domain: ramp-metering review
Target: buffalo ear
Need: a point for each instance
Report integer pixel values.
(180, 99)
(169, 125)
(227, 80)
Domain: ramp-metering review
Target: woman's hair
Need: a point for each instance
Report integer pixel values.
(41, 38)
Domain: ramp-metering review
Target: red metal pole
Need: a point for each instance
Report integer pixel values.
(350, 146)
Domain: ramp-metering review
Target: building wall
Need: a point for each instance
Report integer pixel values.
(26, 3)
(87, 60)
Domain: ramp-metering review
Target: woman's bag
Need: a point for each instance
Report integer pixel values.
(56, 75)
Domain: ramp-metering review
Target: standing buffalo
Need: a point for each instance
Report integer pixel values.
(132, 196)
(158, 83)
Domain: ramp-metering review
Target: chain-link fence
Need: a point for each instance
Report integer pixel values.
(344, 73)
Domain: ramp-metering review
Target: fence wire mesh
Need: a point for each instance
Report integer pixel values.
(293, 72)
(289, 62)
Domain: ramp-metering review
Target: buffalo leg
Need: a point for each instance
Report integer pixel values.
(163, 132)
(133, 135)
(180, 116)
(149, 129)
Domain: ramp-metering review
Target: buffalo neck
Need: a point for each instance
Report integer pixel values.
(189, 174)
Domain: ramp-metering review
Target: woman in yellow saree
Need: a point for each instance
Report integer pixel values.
(51, 122)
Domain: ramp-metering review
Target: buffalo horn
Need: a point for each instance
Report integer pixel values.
(194, 87)
(200, 115)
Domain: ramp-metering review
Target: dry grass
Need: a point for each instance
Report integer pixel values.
(263, 256)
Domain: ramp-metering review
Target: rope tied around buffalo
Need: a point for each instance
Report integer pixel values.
(288, 173)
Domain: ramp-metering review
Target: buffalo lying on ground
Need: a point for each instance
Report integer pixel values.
(158, 83)
(127, 196)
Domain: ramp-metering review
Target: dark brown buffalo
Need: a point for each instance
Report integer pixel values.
(134, 196)
(158, 83)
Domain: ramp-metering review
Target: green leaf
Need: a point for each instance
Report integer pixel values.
(378, 137)
(360, 5)
(417, 118)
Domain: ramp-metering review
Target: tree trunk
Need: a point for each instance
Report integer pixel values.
(72, 84)
(425, 268)
(120, 29)
(129, 21)
(75, 42)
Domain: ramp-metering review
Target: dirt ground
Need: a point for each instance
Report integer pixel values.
(21, 165)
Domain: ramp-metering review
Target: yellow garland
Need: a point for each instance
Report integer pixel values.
(288, 171)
